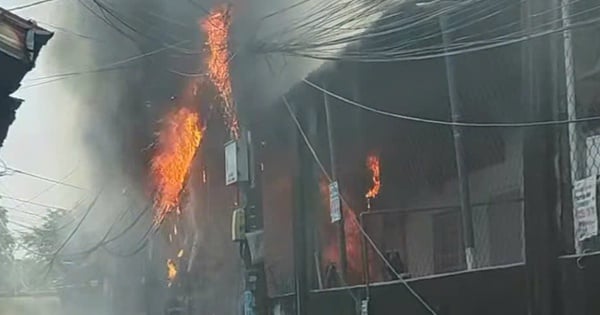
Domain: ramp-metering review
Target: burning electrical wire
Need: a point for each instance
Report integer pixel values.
(177, 144)
(217, 26)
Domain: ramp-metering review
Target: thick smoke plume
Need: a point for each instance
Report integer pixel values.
(134, 62)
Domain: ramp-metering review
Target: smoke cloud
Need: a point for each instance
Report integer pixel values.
(119, 107)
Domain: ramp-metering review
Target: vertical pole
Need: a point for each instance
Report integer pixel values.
(249, 198)
(571, 110)
(299, 223)
(340, 224)
(539, 172)
(457, 132)
(365, 257)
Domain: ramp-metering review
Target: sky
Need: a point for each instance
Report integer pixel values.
(45, 138)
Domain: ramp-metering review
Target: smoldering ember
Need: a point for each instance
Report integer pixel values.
(295, 157)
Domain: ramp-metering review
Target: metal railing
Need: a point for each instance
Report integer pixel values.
(427, 247)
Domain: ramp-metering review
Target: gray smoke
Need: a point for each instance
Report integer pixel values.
(121, 107)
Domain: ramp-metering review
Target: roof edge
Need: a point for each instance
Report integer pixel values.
(23, 23)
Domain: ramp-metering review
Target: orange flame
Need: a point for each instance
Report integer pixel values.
(373, 165)
(171, 270)
(216, 26)
(177, 145)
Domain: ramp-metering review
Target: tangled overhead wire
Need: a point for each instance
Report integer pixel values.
(385, 31)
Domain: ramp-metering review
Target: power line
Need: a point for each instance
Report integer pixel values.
(29, 5)
(33, 203)
(450, 123)
(143, 242)
(66, 30)
(107, 239)
(117, 65)
(72, 233)
(327, 48)
(47, 179)
(355, 221)
(49, 187)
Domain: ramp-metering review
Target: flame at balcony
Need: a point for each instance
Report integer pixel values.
(373, 166)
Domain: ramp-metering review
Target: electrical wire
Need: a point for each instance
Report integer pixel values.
(66, 30)
(328, 48)
(32, 203)
(117, 65)
(29, 5)
(72, 233)
(49, 187)
(450, 123)
(109, 66)
(47, 179)
(142, 243)
(134, 27)
(107, 238)
(354, 221)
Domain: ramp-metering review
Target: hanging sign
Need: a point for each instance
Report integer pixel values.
(364, 307)
(584, 208)
(231, 166)
(334, 202)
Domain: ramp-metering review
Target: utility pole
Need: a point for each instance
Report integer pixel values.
(240, 170)
(340, 224)
(300, 208)
(539, 173)
(459, 147)
(571, 110)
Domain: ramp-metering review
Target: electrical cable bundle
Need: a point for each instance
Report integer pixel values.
(409, 31)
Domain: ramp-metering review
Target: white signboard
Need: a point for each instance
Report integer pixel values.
(584, 208)
(364, 307)
(334, 202)
(231, 168)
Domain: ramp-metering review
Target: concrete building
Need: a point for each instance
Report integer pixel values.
(417, 212)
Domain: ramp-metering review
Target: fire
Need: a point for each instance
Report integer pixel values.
(171, 270)
(217, 26)
(177, 144)
(331, 253)
(373, 165)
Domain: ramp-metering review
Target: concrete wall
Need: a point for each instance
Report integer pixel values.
(498, 291)
(487, 291)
